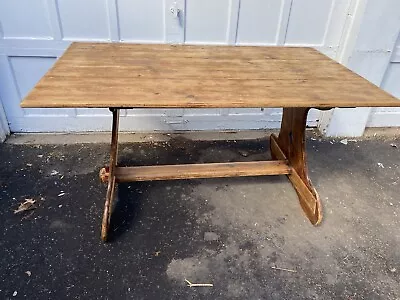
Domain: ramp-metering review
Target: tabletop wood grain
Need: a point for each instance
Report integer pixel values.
(172, 76)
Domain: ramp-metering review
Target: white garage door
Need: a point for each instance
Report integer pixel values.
(34, 33)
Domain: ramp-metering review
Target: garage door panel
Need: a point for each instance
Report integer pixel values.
(207, 21)
(308, 21)
(259, 21)
(27, 71)
(143, 21)
(84, 20)
(24, 18)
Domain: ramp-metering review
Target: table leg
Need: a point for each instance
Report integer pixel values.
(111, 176)
(290, 146)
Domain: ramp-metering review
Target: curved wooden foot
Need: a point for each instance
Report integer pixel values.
(290, 146)
(111, 177)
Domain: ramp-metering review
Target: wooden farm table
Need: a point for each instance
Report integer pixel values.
(119, 76)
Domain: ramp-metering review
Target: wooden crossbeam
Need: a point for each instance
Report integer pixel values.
(190, 171)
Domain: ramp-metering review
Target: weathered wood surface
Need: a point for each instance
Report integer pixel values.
(171, 76)
(190, 171)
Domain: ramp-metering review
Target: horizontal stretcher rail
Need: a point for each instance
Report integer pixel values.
(190, 171)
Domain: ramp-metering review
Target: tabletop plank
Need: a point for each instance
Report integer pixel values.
(171, 76)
